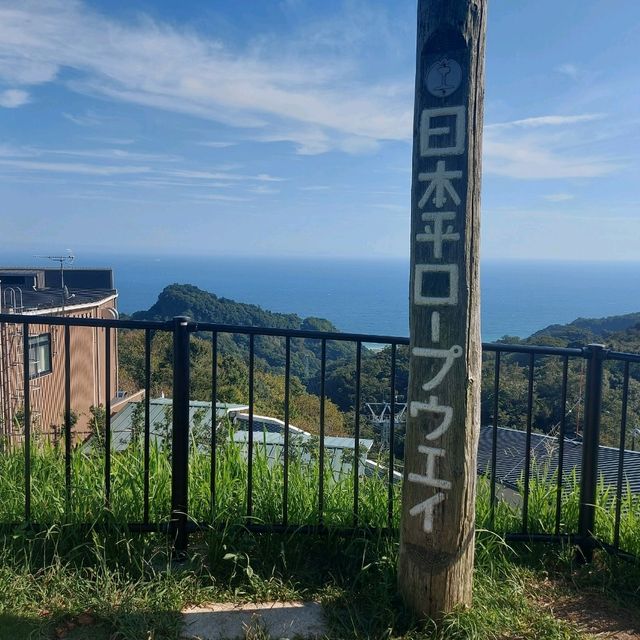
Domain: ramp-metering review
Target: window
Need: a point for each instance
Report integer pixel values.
(39, 355)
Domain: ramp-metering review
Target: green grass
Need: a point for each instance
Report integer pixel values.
(87, 499)
(128, 586)
(132, 589)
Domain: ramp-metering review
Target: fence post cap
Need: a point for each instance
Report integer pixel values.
(594, 348)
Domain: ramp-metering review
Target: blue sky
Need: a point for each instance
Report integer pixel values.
(284, 127)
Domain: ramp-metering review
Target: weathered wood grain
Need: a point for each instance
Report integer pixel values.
(436, 565)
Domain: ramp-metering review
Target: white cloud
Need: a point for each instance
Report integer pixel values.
(264, 190)
(12, 98)
(217, 145)
(88, 119)
(541, 148)
(155, 65)
(558, 197)
(72, 167)
(545, 121)
(220, 175)
(568, 69)
(219, 197)
(527, 160)
(112, 154)
(108, 140)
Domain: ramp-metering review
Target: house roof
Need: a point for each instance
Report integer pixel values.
(33, 289)
(339, 452)
(268, 436)
(159, 414)
(510, 459)
(44, 299)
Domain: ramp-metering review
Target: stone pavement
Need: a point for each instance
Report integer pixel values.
(276, 619)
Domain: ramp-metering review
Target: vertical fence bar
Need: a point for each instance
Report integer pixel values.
(107, 416)
(590, 445)
(323, 371)
(250, 434)
(26, 373)
(392, 424)
(563, 423)
(214, 421)
(287, 391)
(494, 443)
(180, 441)
(67, 415)
(527, 460)
(147, 423)
(623, 433)
(356, 408)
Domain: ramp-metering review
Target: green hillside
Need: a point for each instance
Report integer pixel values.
(203, 306)
(585, 330)
(620, 333)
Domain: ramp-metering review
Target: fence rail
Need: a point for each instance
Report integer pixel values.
(179, 523)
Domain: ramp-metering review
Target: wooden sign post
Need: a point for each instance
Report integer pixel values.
(438, 514)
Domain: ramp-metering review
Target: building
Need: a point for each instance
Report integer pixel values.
(81, 293)
(268, 437)
(511, 457)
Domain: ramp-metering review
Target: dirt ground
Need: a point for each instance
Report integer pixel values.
(592, 612)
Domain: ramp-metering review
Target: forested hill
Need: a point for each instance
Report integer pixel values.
(612, 329)
(202, 306)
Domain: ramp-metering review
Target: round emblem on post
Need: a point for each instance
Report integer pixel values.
(443, 77)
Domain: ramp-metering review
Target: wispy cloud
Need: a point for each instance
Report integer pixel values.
(73, 167)
(113, 154)
(110, 140)
(542, 148)
(568, 69)
(220, 175)
(216, 144)
(558, 197)
(545, 121)
(88, 119)
(219, 197)
(154, 171)
(154, 64)
(12, 98)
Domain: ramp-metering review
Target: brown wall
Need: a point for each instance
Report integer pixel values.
(47, 392)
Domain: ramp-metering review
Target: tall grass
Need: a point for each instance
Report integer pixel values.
(131, 586)
(50, 504)
(86, 500)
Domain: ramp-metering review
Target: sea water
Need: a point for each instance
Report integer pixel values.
(371, 296)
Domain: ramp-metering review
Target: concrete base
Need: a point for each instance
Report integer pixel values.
(275, 619)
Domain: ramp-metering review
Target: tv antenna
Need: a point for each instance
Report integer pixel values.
(63, 260)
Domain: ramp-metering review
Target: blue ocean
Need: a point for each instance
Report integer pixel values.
(518, 297)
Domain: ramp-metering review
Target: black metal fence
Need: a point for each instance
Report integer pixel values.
(179, 524)
(585, 534)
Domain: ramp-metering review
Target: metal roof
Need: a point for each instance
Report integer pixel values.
(268, 438)
(52, 298)
(510, 459)
(160, 415)
(339, 452)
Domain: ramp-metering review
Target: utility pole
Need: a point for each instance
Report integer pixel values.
(438, 506)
